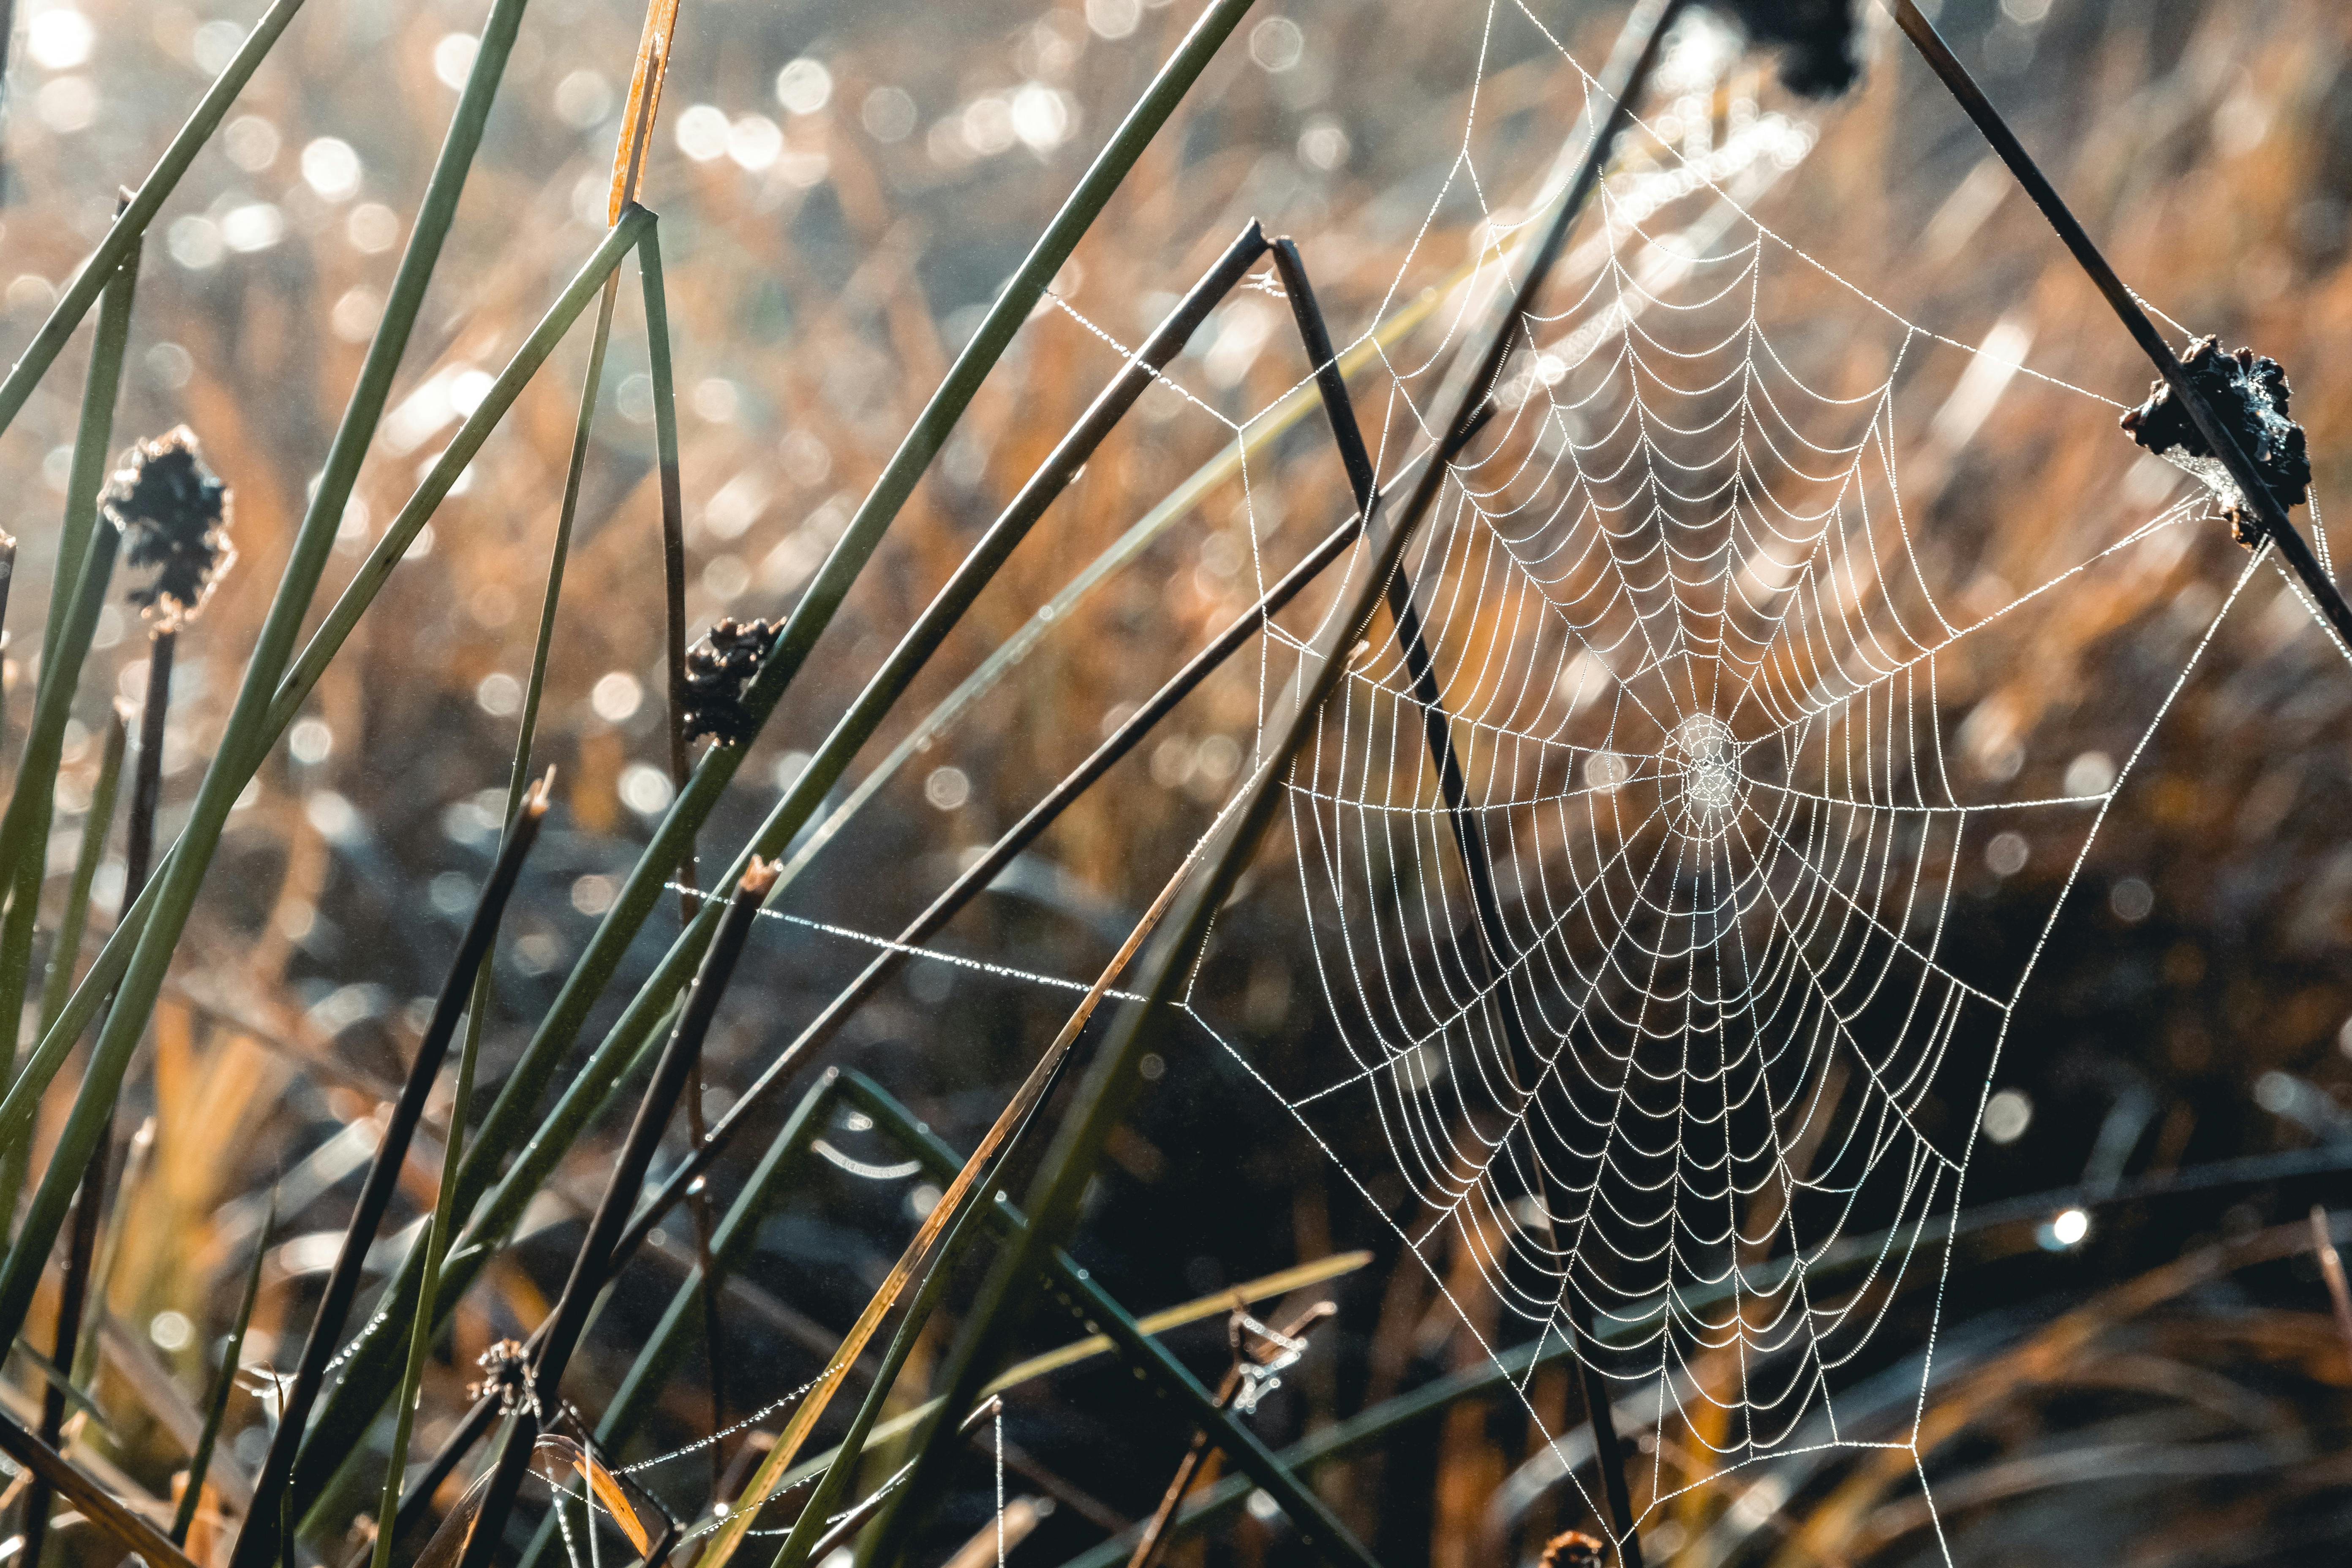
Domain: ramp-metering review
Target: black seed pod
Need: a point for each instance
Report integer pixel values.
(718, 669)
(1820, 48)
(2249, 393)
(174, 514)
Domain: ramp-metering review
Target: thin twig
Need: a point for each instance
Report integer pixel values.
(2331, 1268)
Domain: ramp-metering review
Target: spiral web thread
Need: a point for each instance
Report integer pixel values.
(1700, 671)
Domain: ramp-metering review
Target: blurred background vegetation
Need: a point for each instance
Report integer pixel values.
(842, 189)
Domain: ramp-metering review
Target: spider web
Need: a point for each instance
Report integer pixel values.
(1717, 703)
(1700, 672)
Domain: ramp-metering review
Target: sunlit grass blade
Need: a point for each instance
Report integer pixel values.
(811, 1530)
(637, 115)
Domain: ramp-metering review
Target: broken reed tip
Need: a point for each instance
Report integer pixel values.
(759, 876)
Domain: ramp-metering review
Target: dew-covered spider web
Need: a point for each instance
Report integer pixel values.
(1712, 692)
(1724, 653)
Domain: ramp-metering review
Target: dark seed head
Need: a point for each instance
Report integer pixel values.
(175, 513)
(1820, 48)
(719, 669)
(2248, 393)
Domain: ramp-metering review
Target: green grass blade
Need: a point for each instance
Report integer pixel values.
(314, 540)
(131, 224)
(672, 529)
(75, 603)
(443, 1227)
(95, 826)
(23, 828)
(26, 823)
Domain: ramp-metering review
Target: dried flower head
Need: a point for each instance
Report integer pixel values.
(176, 514)
(506, 1372)
(719, 670)
(2249, 393)
(1820, 45)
